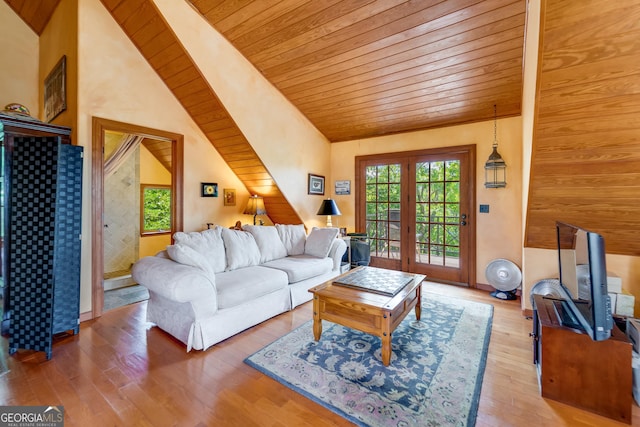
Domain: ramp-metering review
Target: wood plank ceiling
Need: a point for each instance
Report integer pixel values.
(36, 14)
(362, 68)
(355, 68)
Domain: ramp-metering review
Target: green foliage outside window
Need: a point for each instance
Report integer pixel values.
(437, 206)
(156, 209)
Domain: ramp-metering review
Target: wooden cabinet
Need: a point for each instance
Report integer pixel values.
(574, 369)
(42, 182)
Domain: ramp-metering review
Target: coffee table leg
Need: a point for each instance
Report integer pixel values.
(386, 348)
(386, 339)
(419, 303)
(317, 322)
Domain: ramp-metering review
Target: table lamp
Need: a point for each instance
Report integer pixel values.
(328, 207)
(255, 206)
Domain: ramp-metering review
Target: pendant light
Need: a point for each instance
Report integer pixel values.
(495, 169)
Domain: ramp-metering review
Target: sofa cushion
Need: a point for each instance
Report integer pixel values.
(268, 241)
(241, 249)
(301, 267)
(186, 255)
(208, 243)
(293, 237)
(319, 241)
(237, 286)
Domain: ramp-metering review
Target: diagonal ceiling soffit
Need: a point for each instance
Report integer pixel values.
(143, 23)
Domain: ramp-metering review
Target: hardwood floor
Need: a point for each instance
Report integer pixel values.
(120, 371)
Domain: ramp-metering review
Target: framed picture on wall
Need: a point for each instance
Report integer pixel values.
(229, 197)
(343, 188)
(209, 189)
(55, 90)
(316, 184)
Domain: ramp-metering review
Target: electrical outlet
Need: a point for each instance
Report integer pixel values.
(484, 208)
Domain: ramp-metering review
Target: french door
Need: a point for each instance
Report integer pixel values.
(417, 210)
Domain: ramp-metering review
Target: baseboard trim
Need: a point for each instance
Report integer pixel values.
(87, 315)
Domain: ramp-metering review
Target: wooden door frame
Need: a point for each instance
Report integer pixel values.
(99, 126)
(471, 220)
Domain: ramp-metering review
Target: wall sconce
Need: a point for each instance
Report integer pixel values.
(329, 207)
(495, 169)
(255, 206)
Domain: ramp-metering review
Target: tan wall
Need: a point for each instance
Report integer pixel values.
(288, 145)
(151, 170)
(19, 79)
(499, 233)
(118, 84)
(60, 38)
(536, 264)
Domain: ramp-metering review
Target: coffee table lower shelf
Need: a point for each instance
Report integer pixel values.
(365, 311)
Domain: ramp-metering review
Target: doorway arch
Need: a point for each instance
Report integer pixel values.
(99, 127)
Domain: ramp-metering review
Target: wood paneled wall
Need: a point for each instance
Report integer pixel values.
(586, 144)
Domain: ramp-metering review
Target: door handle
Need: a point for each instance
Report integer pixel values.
(463, 217)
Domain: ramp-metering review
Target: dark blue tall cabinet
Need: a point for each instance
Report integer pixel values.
(44, 240)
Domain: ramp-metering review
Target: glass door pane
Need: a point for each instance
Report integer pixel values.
(438, 213)
(383, 195)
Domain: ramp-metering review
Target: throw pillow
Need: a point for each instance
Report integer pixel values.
(268, 240)
(208, 243)
(319, 241)
(292, 237)
(186, 255)
(242, 249)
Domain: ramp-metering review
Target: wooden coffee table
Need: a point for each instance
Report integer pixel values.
(364, 310)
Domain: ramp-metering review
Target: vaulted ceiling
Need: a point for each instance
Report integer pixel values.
(35, 13)
(355, 68)
(362, 68)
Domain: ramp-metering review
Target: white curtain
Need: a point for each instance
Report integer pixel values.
(127, 147)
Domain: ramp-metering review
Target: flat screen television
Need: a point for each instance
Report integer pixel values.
(583, 274)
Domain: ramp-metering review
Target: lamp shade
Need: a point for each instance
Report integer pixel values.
(328, 207)
(495, 170)
(255, 206)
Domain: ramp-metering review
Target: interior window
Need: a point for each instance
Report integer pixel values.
(155, 209)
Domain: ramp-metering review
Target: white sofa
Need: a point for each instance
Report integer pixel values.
(212, 284)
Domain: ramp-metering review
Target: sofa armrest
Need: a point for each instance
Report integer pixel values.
(174, 281)
(338, 248)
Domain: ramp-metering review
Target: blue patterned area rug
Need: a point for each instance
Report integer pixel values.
(434, 378)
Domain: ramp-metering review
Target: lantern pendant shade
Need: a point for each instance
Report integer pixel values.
(329, 207)
(495, 169)
(255, 206)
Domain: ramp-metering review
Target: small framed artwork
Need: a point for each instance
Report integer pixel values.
(343, 188)
(229, 197)
(209, 189)
(316, 184)
(55, 90)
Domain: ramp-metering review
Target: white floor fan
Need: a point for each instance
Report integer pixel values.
(505, 276)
